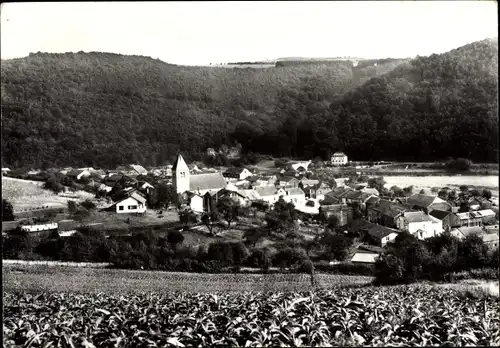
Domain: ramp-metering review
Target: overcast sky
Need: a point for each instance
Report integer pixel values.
(217, 32)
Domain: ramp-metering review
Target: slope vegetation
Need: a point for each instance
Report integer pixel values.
(102, 109)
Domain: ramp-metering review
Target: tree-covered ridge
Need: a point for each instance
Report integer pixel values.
(103, 110)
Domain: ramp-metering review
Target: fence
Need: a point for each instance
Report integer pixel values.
(57, 263)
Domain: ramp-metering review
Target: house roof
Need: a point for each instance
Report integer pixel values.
(467, 231)
(485, 213)
(388, 208)
(439, 214)
(334, 207)
(287, 176)
(139, 169)
(234, 171)
(249, 194)
(364, 257)
(416, 216)
(423, 201)
(266, 191)
(371, 190)
(338, 192)
(372, 200)
(353, 195)
(138, 197)
(380, 232)
(75, 172)
(358, 186)
(294, 191)
(491, 237)
(207, 181)
(309, 182)
(338, 154)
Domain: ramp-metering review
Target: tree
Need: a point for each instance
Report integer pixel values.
(459, 164)
(72, 206)
(174, 238)
(337, 244)
(408, 191)
(487, 194)
(53, 184)
(472, 252)
(163, 196)
(398, 192)
(88, 204)
(377, 183)
(210, 220)
(221, 251)
(422, 192)
(187, 216)
(254, 235)
(7, 211)
(229, 209)
(435, 190)
(240, 253)
(260, 258)
(464, 188)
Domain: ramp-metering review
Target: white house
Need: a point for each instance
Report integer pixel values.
(147, 187)
(364, 258)
(5, 170)
(381, 235)
(416, 223)
(39, 228)
(339, 159)
(437, 225)
(269, 194)
(134, 203)
(237, 173)
(296, 165)
(295, 196)
(196, 203)
(78, 174)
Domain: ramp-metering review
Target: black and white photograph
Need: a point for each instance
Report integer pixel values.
(250, 174)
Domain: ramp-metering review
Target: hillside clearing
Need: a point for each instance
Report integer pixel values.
(26, 194)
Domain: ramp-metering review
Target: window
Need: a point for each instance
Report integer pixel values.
(183, 174)
(132, 207)
(120, 207)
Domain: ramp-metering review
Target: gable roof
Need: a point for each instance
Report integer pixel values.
(249, 194)
(440, 214)
(334, 207)
(380, 232)
(372, 200)
(294, 191)
(424, 201)
(266, 191)
(416, 216)
(139, 169)
(467, 231)
(135, 195)
(309, 182)
(76, 172)
(206, 181)
(337, 154)
(490, 238)
(389, 208)
(364, 257)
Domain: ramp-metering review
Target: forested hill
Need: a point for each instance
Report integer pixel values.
(102, 110)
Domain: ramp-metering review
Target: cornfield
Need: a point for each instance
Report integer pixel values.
(414, 315)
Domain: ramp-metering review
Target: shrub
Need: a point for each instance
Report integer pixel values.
(260, 258)
(88, 204)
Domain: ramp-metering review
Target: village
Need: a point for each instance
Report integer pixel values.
(375, 214)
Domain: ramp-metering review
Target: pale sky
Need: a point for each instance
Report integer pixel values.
(219, 32)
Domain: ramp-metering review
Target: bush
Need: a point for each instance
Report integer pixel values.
(345, 268)
(175, 238)
(260, 258)
(459, 164)
(88, 204)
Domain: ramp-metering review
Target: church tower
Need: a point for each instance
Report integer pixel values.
(180, 175)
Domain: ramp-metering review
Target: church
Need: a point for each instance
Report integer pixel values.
(200, 184)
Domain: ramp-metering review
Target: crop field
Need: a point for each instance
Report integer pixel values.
(414, 315)
(26, 194)
(34, 279)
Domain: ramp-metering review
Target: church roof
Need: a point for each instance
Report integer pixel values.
(206, 181)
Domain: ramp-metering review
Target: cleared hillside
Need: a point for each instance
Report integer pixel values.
(100, 109)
